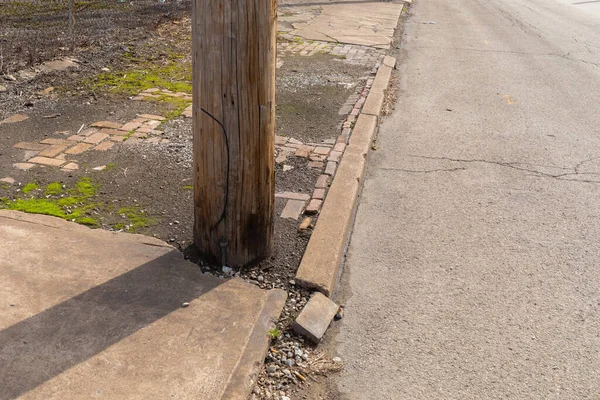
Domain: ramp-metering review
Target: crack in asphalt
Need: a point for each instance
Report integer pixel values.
(572, 171)
(425, 171)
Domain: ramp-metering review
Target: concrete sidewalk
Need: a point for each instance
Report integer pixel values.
(93, 314)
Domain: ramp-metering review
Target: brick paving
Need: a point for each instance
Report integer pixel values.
(325, 156)
(99, 136)
(350, 54)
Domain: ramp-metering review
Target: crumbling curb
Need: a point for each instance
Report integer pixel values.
(246, 373)
(320, 266)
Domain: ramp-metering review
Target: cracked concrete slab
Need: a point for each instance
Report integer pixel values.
(368, 24)
(95, 314)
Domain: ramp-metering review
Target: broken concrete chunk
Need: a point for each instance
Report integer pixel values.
(315, 318)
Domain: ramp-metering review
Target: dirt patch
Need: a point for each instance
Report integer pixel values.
(309, 90)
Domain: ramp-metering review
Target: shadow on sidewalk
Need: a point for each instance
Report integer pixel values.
(41, 347)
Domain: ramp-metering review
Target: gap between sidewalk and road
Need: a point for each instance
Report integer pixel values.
(320, 266)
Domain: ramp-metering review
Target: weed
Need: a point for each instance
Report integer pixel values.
(188, 187)
(274, 333)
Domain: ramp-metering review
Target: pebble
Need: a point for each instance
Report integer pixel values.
(339, 314)
(287, 372)
(260, 278)
(185, 304)
(226, 269)
(271, 368)
(284, 398)
(336, 360)
(289, 362)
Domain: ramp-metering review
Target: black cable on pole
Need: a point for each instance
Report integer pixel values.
(228, 166)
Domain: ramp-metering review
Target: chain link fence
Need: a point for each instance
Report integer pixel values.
(32, 31)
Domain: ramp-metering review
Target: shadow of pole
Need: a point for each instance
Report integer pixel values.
(41, 347)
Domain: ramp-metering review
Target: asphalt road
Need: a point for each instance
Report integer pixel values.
(474, 266)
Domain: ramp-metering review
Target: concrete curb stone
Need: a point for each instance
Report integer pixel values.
(320, 266)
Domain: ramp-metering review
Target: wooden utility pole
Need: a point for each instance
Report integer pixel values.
(234, 54)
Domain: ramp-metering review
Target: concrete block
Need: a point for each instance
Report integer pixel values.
(293, 209)
(315, 318)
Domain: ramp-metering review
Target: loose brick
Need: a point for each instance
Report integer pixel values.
(53, 150)
(342, 139)
(282, 157)
(96, 138)
(144, 129)
(152, 116)
(8, 180)
(322, 181)
(131, 126)
(306, 223)
(319, 194)
(76, 138)
(294, 141)
(117, 138)
(113, 132)
(322, 150)
(47, 161)
(313, 207)
(315, 317)
(14, 119)
(281, 140)
(30, 146)
(78, 148)
(293, 196)
(107, 124)
(104, 146)
(302, 153)
(292, 209)
(23, 166)
(335, 156)
(70, 167)
(330, 168)
(329, 141)
(88, 131)
(316, 164)
(57, 141)
(340, 147)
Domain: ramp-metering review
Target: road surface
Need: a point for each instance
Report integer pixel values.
(474, 266)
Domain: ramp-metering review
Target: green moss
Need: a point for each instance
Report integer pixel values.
(175, 76)
(31, 186)
(135, 217)
(188, 187)
(109, 166)
(85, 187)
(76, 207)
(4, 186)
(53, 189)
(36, 206)
(88, 221)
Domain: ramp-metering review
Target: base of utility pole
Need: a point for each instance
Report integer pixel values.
(234, 54)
